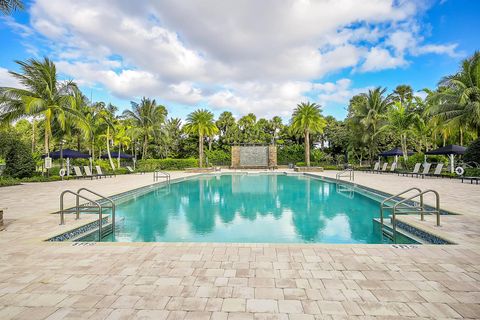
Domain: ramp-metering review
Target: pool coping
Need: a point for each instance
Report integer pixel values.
(74, 234)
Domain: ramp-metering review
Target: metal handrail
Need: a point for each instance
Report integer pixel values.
(382, 205)
(403, 203)
(104, 198)
(78, 196)
(437, 204)
(351, 174)
(161, 174)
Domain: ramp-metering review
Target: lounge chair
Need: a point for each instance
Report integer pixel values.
(101, 174)
(426, 170)
(376, 166)
(79, 174)
(130, 170)
(89, 174)
(384, 168)
(393, 167)
(437, 172)
(416, 169)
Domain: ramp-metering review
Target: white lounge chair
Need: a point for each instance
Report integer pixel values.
(384, 168)
(416, 169)
(100, 172)
(79, 174)
(426, 170)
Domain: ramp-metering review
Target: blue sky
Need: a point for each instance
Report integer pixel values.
(222, 56)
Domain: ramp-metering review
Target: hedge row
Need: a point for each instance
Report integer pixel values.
(166, 164)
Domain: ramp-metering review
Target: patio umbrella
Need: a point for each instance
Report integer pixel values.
(115, 155)
(68, 154)
(395, 152)
(451, 150)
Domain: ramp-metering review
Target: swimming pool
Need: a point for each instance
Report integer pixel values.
(249, 208)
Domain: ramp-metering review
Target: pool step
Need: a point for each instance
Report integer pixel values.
(387, 231)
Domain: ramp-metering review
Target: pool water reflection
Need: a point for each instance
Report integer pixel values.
(249, 208)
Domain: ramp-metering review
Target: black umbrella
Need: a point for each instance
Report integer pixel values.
(450, 149)
(394, 152)
(115, 155)
(67, 153)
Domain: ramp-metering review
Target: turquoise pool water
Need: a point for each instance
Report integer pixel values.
(249, 208)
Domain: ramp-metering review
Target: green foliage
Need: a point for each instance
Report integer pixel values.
(318, 155)
(472, 172)
(218, 157)
(290, 154)
(7, 181)
(19, 162)
(166, 164)
(473, 152)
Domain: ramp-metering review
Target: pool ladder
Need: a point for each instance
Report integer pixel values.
(349, 172)
(90, 206)
(406, 206)
(157, 175)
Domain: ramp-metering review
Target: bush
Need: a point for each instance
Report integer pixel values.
(166, 164)
(420, 157)
(19, 162)
(472, 172)
(7, 181)
(290, 154)
(218, 157)
(473, 152)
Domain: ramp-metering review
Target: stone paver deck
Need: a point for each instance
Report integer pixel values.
(40, 280)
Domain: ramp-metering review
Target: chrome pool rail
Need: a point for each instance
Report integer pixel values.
(96, 205)
(402, 207)
(349, 172)
(157, 175)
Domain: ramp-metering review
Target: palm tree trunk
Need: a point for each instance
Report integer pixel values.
(46, 142)
(33, 135)
(108, 149)
(200, 150)
(78, 142)
(145, 147)
(461, 136)
(307, 148)
(119, 151)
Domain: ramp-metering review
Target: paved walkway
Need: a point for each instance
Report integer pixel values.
(41, 280)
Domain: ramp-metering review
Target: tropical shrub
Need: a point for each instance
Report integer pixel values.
(290, 154)
(166, 164)
(218, 157)
(473, 152)
(472, 172)
(19, 162)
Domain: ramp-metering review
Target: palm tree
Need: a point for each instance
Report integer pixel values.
(107, 122)
(121, 139)
(369, 114)
(43, 95)
(458, 97)
(401, 121)
(8, 6)
(201, 122)
(306, 119)
(148, 117)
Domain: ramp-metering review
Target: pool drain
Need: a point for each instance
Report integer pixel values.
(404, 246)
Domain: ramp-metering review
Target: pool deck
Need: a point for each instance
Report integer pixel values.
(43, 280)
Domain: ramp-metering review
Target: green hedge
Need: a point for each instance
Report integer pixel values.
(472, 172)
(218, 157)
(166, 164)
(473, 152)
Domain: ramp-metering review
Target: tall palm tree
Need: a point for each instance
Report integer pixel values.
(8, 6)
(43, 95)
(107, 122)
(148, 117)
(306, 119)
(369, 114)
(201, 122)
(458, 97)
(121, 139)
(401, 121)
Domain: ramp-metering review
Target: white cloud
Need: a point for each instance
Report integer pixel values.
(380, 58)
(7, 80)
(249, 56)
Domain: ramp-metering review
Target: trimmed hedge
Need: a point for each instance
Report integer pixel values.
(166, 164)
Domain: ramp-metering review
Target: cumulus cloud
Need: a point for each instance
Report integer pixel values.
(7, 80)
(247, 56)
